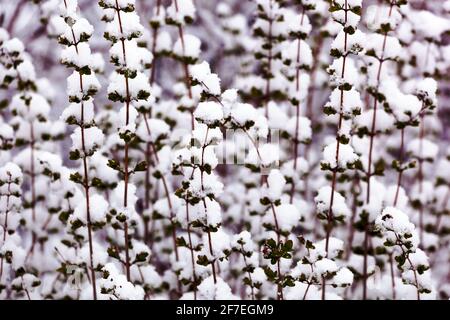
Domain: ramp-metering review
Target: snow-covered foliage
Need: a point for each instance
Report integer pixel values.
(262, 149)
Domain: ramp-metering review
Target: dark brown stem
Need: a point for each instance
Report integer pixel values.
(15, 16)
(420, 175)
(415, 277)
(329, 225)
(86, 179)
(248, 272)
(391, 264)
(366, 239)
(280, 279)
(356, 184)
(87, 196)
(5, 226)
(191, 248)
(155, 38)
(400, 173)
(166, 190)
(297, 109)
(269, 71)
(126, 159)
(33, 189)
(277, 230)
(185, 65)
(32, 172)
(206, 208)
(372, 138)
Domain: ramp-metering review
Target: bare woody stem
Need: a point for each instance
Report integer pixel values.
(416, 280)
(211, 251)
(277, 230)
(155, 38)
(86, 179)
(185, 65)
(297, 108)
(248, 272)
(33, 174)
(420, 174)
(280, 295)
(15, 16)
(400, 172)
(166, 189)
(191, 248)
(5, 225)
(126, 158)
(264, 181)
(269, 64)
(391, 264)
(310, 102)
(167, 193)
(329, 225)
(371, 143)
(148, 146)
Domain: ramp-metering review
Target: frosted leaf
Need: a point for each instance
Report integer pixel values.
(347, 156)
(209, 113)
(129, 28)
(384, 122)
(136, 59)
(395, 225)
(81, 30)
(288, 216)
(266, 155)
(117, 287)
(383, 47)
(188, 48)
(36, 108)
(90, 86)
(354, 44)
(378, 16)
(208, 290)
(423, 149)
(220, 242)
(210, 81)
(93, 139)
(74, 110)
(120, 4)
(181, 11)
(276, 183)
(348, 103)
(343, 278)
(335, 248)
(325, 266)
(339, 208)
(26, 71)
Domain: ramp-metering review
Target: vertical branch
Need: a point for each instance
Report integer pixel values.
(86, 178)
(248, 272)
(191, 248)
(126, 158)
(155, 39)
(371, 143)
(277, 230)
(166, 189)
(5, 225)
(329, 225)
(185, 65)
(391, 264)
(400, 173)
(269, 64)
(420, 174)
(297, 108)
(211, 251)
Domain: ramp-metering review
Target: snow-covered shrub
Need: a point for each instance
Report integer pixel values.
(263, 149)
